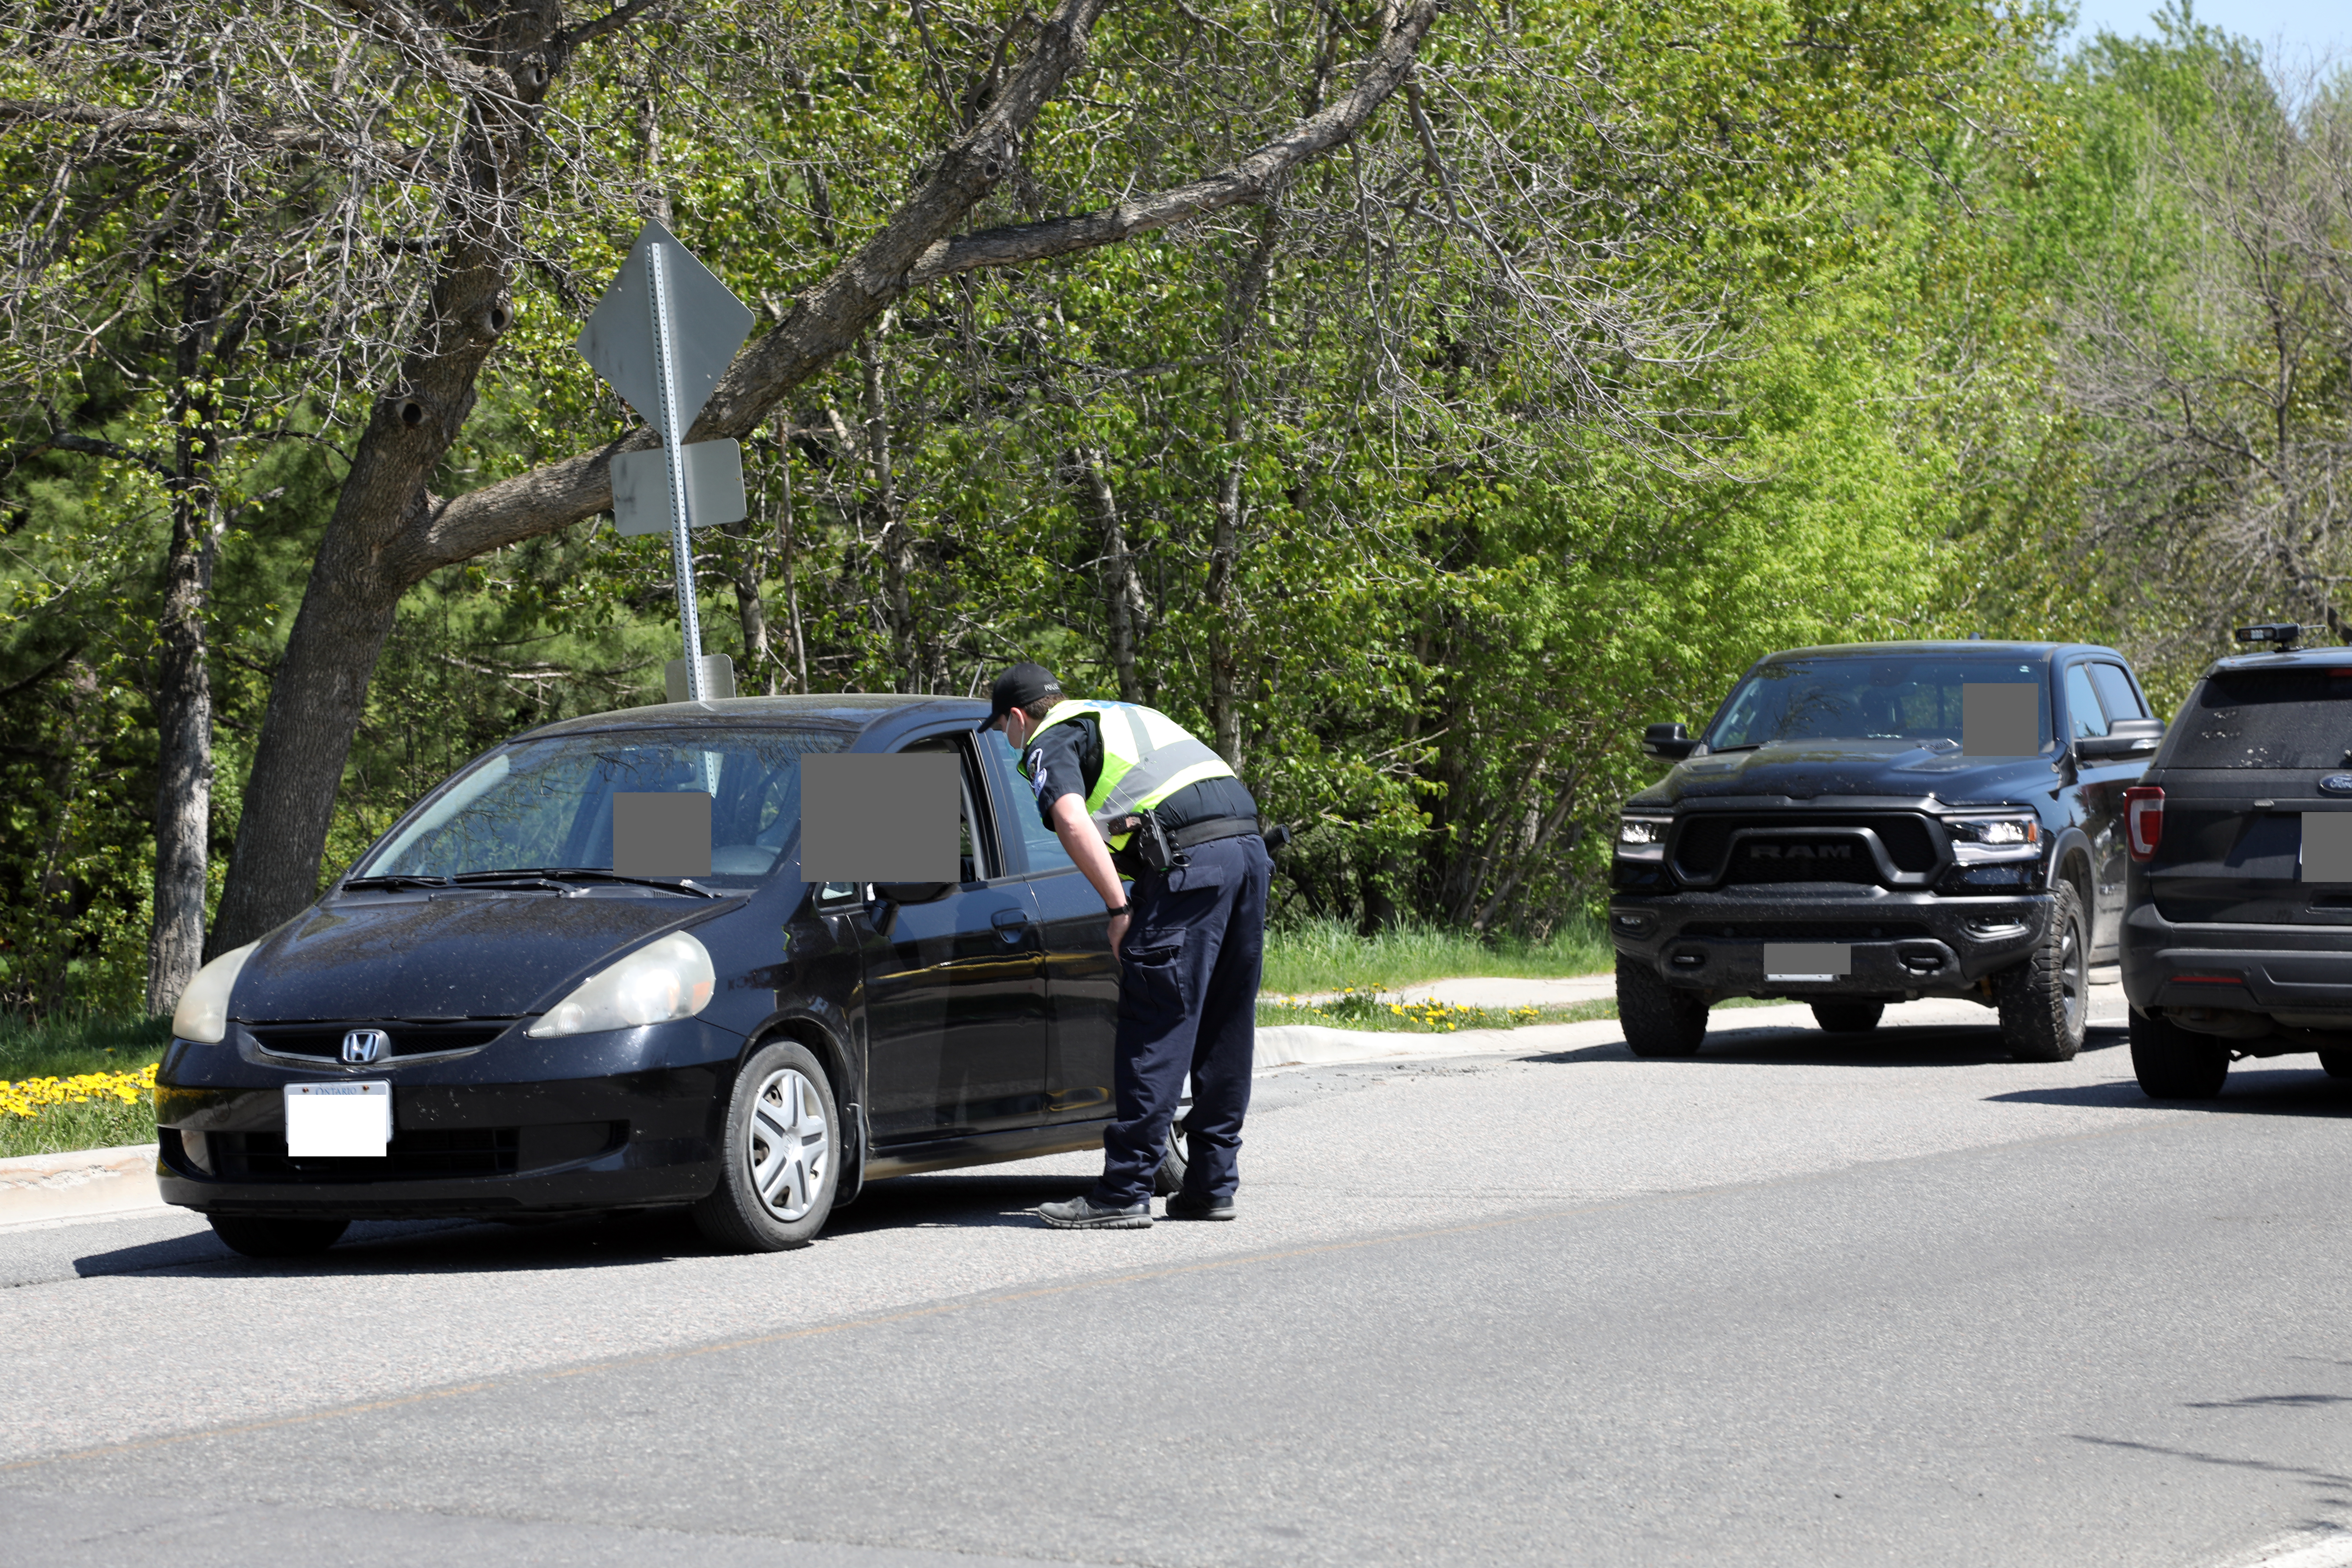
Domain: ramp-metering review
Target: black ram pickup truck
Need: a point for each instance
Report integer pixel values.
(1881, 822)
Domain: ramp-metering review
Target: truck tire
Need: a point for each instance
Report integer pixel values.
(1169, 1180)
(2338, 1063)
(1848, 1017)
(2174, 1063)
(2045, 1001)
(1659, 1020)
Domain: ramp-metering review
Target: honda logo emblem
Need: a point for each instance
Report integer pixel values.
(362, 1046)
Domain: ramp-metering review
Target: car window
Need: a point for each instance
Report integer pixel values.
(2266, 719)
(548, 804)
(1865, 698)
(2084, 716)
(974, 844)
(1017, 810)
(2116, 692)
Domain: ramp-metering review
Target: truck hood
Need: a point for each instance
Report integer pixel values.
(467, 955)
(1888, 769)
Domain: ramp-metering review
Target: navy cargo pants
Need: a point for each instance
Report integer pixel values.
(1188, 978)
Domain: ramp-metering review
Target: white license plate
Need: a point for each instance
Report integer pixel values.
(338, 1120)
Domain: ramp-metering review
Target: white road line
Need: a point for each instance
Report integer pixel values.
(2333, 1550)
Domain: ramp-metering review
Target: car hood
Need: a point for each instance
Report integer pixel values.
(470, 955)
(1898, 769)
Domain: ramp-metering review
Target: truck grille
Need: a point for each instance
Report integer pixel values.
(1730, 849)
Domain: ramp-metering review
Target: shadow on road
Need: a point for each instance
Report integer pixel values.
(1899, 1046)
(962, 1201)
(2249, 1092)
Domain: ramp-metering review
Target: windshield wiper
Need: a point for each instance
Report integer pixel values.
(1718, 751)
(557, 875)
(396, 880)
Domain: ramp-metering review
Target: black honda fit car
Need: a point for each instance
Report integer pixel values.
(510, 1029)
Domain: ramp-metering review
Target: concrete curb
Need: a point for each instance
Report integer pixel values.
(87, 1182)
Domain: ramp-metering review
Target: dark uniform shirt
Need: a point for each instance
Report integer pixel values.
(1068, 760)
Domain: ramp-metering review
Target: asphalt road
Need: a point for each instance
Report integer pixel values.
(1800, 1300)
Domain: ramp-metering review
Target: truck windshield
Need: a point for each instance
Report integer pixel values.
(2267, 719)
(1865, 699)
(548, 805)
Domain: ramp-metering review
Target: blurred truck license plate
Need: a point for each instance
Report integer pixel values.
(1808, 960)
(346, 1121)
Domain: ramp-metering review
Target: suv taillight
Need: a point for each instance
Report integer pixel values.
(2144, 819)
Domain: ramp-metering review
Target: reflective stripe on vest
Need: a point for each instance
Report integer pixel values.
(1147, 757)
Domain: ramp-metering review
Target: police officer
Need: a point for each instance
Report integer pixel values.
(1117, 780)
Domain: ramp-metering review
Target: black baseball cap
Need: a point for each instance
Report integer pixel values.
(1018, 687)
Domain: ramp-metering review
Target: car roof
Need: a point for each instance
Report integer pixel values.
(2337, 658)
(854, 712)
(2034, 651)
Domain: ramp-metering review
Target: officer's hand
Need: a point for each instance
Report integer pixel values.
(1118, 924)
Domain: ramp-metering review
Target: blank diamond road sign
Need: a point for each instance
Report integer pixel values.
(709, 323)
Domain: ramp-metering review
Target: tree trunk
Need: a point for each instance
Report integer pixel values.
(1224, 541)
(896, 549)
(1122, 596)
(183, 681)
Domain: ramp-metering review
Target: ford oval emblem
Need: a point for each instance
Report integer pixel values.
(2336, 783)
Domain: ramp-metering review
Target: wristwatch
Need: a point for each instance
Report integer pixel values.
(1122, 910)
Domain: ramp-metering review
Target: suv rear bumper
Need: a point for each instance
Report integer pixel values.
(2201, 974)
(1905, 945)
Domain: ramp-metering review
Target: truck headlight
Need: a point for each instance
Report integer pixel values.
(1642, 837)
(663, 979)
(202, 1014)
(1976, 839)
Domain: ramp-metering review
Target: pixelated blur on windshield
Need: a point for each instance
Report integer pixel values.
(1862, 699)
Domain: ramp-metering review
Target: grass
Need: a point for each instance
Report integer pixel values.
(1309, 956)
(1359, 1011)
(66, 1048)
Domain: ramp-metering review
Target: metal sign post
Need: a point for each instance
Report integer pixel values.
(663, 333)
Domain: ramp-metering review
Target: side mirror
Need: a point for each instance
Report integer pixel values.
(1668, 743)
(2125, 739)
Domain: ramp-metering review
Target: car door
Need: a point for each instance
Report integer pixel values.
(1081, 976)
(2102, 782)
(955, 991)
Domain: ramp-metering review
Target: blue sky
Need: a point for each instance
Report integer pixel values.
(2316, 25)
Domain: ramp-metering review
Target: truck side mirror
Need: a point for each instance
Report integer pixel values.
(1668, 743)
(2125, 738)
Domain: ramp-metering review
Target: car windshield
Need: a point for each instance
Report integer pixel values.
(548, 805)
(1860, 698)
(2267, 719)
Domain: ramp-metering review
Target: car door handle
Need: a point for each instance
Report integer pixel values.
(1010, 923)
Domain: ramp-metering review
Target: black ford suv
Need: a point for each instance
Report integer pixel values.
(2239, 939)
(1881, 822)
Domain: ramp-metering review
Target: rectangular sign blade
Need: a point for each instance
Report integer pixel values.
(714, 488)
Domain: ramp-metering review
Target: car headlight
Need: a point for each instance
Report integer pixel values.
(202, 1014)
(663, 979)
(1979, 839)
(1642, 837)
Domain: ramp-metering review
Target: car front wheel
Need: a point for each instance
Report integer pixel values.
(2174, 1063)
(781, 1157)
(1659, 1019)
(2045, 1001)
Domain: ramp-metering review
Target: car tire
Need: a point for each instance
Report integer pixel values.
(1659, 1019)
(781, 1155)
(2045, 1001)
(2174, 1063)
(1169, 1180)
(259, 1238)
(1848, 1017)
(2338, 1063)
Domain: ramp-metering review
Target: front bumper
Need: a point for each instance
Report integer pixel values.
(2298, 976)
(629, 1119)
(1904, 945)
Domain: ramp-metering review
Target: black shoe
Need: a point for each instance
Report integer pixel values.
(1085, 1214)
(1193, 1205)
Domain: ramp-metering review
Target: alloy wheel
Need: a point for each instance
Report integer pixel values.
(790, 1144)
(2071, 977)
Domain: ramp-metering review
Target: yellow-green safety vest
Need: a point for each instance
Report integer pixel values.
(1147, 757)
